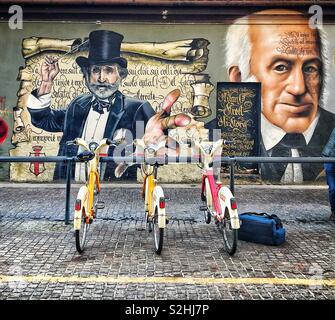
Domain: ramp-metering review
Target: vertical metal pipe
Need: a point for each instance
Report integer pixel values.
(68, 190)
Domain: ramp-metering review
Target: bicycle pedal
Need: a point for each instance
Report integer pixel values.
(203, 208)
(100, 205)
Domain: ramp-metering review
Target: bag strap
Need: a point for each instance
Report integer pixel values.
(277, 220)
(259, 214)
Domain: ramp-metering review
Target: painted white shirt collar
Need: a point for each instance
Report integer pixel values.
(272, 134)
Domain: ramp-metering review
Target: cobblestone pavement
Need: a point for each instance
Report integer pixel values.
(37, 248)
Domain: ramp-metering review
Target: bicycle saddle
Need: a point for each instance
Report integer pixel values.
(85, 156)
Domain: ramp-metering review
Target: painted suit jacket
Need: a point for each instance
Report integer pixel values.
(324, 127)
(71, 122)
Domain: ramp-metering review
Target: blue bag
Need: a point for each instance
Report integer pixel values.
(261, 228)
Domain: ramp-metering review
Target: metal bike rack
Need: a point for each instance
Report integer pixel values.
(231, 161)
(67, 160)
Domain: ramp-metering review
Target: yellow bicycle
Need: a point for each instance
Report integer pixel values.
(87, 203)
(152, 193)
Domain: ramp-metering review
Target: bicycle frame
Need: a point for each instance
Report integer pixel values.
(149, 182)
(221, 197)
(153, 193)
(214, 189)
(85, 197)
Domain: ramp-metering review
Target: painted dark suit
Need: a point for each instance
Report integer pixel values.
(324, 127)
(123, 114)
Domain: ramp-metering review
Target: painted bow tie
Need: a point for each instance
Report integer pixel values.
(99, 106)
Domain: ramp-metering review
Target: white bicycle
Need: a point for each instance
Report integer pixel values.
(219, 202)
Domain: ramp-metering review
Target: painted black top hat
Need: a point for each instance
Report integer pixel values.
(104, 48)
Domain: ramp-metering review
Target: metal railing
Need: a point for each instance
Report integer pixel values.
(55, 159)
(231, 161)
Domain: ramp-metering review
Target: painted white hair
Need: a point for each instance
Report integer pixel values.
(324, 48)
(238, 53)
(238, 47)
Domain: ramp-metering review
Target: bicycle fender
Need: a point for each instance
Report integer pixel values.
(157, 194)
(83, 197)
(225, 196)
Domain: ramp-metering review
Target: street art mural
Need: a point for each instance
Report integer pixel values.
(53, 78)
(289, 61)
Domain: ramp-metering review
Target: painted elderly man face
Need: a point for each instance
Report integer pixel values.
(103, 80)
(286, 60)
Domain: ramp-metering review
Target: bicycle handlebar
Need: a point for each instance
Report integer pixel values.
(227, 142)
(208, 149)
(151, 146)
(114, 143)
(108, 142)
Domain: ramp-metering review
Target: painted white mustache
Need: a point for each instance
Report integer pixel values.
(97, 86)
(103, 90)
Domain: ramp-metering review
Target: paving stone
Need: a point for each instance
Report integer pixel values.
(35, 241)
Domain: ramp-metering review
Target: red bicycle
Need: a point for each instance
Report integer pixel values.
(219, 202)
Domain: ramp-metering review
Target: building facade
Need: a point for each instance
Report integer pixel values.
(248, 71)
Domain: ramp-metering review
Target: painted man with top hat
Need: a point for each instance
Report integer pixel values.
(105, 110)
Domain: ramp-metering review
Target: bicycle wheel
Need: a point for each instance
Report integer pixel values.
(208, 202)
(158, 234)
(229, 234)
(81, 234)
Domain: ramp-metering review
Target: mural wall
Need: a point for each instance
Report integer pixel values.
(154, 69)
(291, 63)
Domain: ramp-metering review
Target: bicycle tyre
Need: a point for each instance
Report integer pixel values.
(81, 234)
(207, 213)
(228, 233)
(158, 234)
